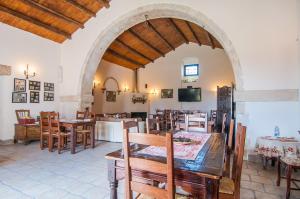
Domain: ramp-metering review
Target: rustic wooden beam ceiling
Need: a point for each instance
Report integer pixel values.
(152, 39)
(54, 20)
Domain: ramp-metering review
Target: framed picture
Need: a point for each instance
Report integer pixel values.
(34, 85)
(19, 85)
(34, 97)
(48, 86)
(18, 97)
(48, 96)
(111, 96)
(166, 93)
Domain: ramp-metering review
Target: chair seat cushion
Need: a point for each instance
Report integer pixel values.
(177, 196)
(226, 186)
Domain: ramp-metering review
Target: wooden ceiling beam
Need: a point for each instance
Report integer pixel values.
(114, 53)
(105, 3)
(34, 21)
(160, 35)
(210, 40)
(81, 7)
(38, 6)
(178, 30)
(145, 42)
(132, 50)
(193, 31)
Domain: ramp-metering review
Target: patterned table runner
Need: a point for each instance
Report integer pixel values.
(181, 151)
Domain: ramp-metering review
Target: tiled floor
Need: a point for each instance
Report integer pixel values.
(28, 172)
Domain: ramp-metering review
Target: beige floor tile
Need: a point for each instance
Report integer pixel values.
(247, 194)
(263, 195)
(260, 179)
(255, 186)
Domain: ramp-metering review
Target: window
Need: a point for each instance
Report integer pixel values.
(191, 70)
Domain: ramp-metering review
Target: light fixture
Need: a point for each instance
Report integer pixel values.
(126, 89)
(27, 74)
(154, 92)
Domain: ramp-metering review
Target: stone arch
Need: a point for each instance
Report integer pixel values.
(159, 10)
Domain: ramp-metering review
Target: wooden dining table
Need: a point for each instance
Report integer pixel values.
(200, 177)
(72, 125)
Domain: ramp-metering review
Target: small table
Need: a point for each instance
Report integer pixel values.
(201, 176)
(270, 148)
(72, 126)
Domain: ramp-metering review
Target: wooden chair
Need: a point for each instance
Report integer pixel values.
(152, 125)
(228, 149)
(80, 115)
(230, 187)
(131, 163)
(196, 122)
(56, 133)
(45, 129)
(86, 131)
(224, 123)
(291, 163)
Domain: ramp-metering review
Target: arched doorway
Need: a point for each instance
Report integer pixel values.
(136, 16)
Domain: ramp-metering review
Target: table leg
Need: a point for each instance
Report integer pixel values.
(212, 189)
(288, 181)
(265, 162)
(278, 172)
(93, 136)
(73, 140)
(112, 178)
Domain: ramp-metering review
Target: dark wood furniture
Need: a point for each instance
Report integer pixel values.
(25, 132)
(72, 125)
(224, 105)
(230, 187)
(229, 149)
(200, 177)
(132, 163)
(290, 164)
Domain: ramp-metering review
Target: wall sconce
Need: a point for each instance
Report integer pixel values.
(154, 92)
(27, 74)
(95, 84)
(126, 89)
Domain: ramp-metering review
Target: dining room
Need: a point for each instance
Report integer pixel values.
(149, 99)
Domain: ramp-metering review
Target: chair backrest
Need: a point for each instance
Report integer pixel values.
(54, 122)
(45, 121)
(196, 122)
(230, 134)
(238, 158)
(131, 125)
(80, 115)
(22, 113)
(224, 122)
(152, 124)
(132, 162)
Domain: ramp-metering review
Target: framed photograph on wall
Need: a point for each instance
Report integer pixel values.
(48, 86)
(19, 85)
(166, 93)
(18, 97)
(48, 96)
(34, 97)
(111, 96)
(34, 85)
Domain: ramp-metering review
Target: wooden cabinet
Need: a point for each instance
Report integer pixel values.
(224, 105)
(27, 132)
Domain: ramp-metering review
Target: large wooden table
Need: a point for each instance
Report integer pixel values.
(201, 176)
(72, 126)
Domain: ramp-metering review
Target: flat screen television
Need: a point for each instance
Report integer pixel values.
(189, 94)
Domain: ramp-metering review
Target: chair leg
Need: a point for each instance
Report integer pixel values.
(84, 140)
(59, 145)
(50, 144)
(41, 142)
(288, 181)
(278, 172)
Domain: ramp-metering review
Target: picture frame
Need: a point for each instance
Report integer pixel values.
(48, 96)
(166, 93)
(19, 85)
(34, 85)
(48, 86)
(19, 97)
(34, 97)
(111, 96)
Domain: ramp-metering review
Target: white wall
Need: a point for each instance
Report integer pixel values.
(215, 70)
(19, 48)
(123, 102)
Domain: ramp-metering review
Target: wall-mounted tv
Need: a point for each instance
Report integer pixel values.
(189, 94)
